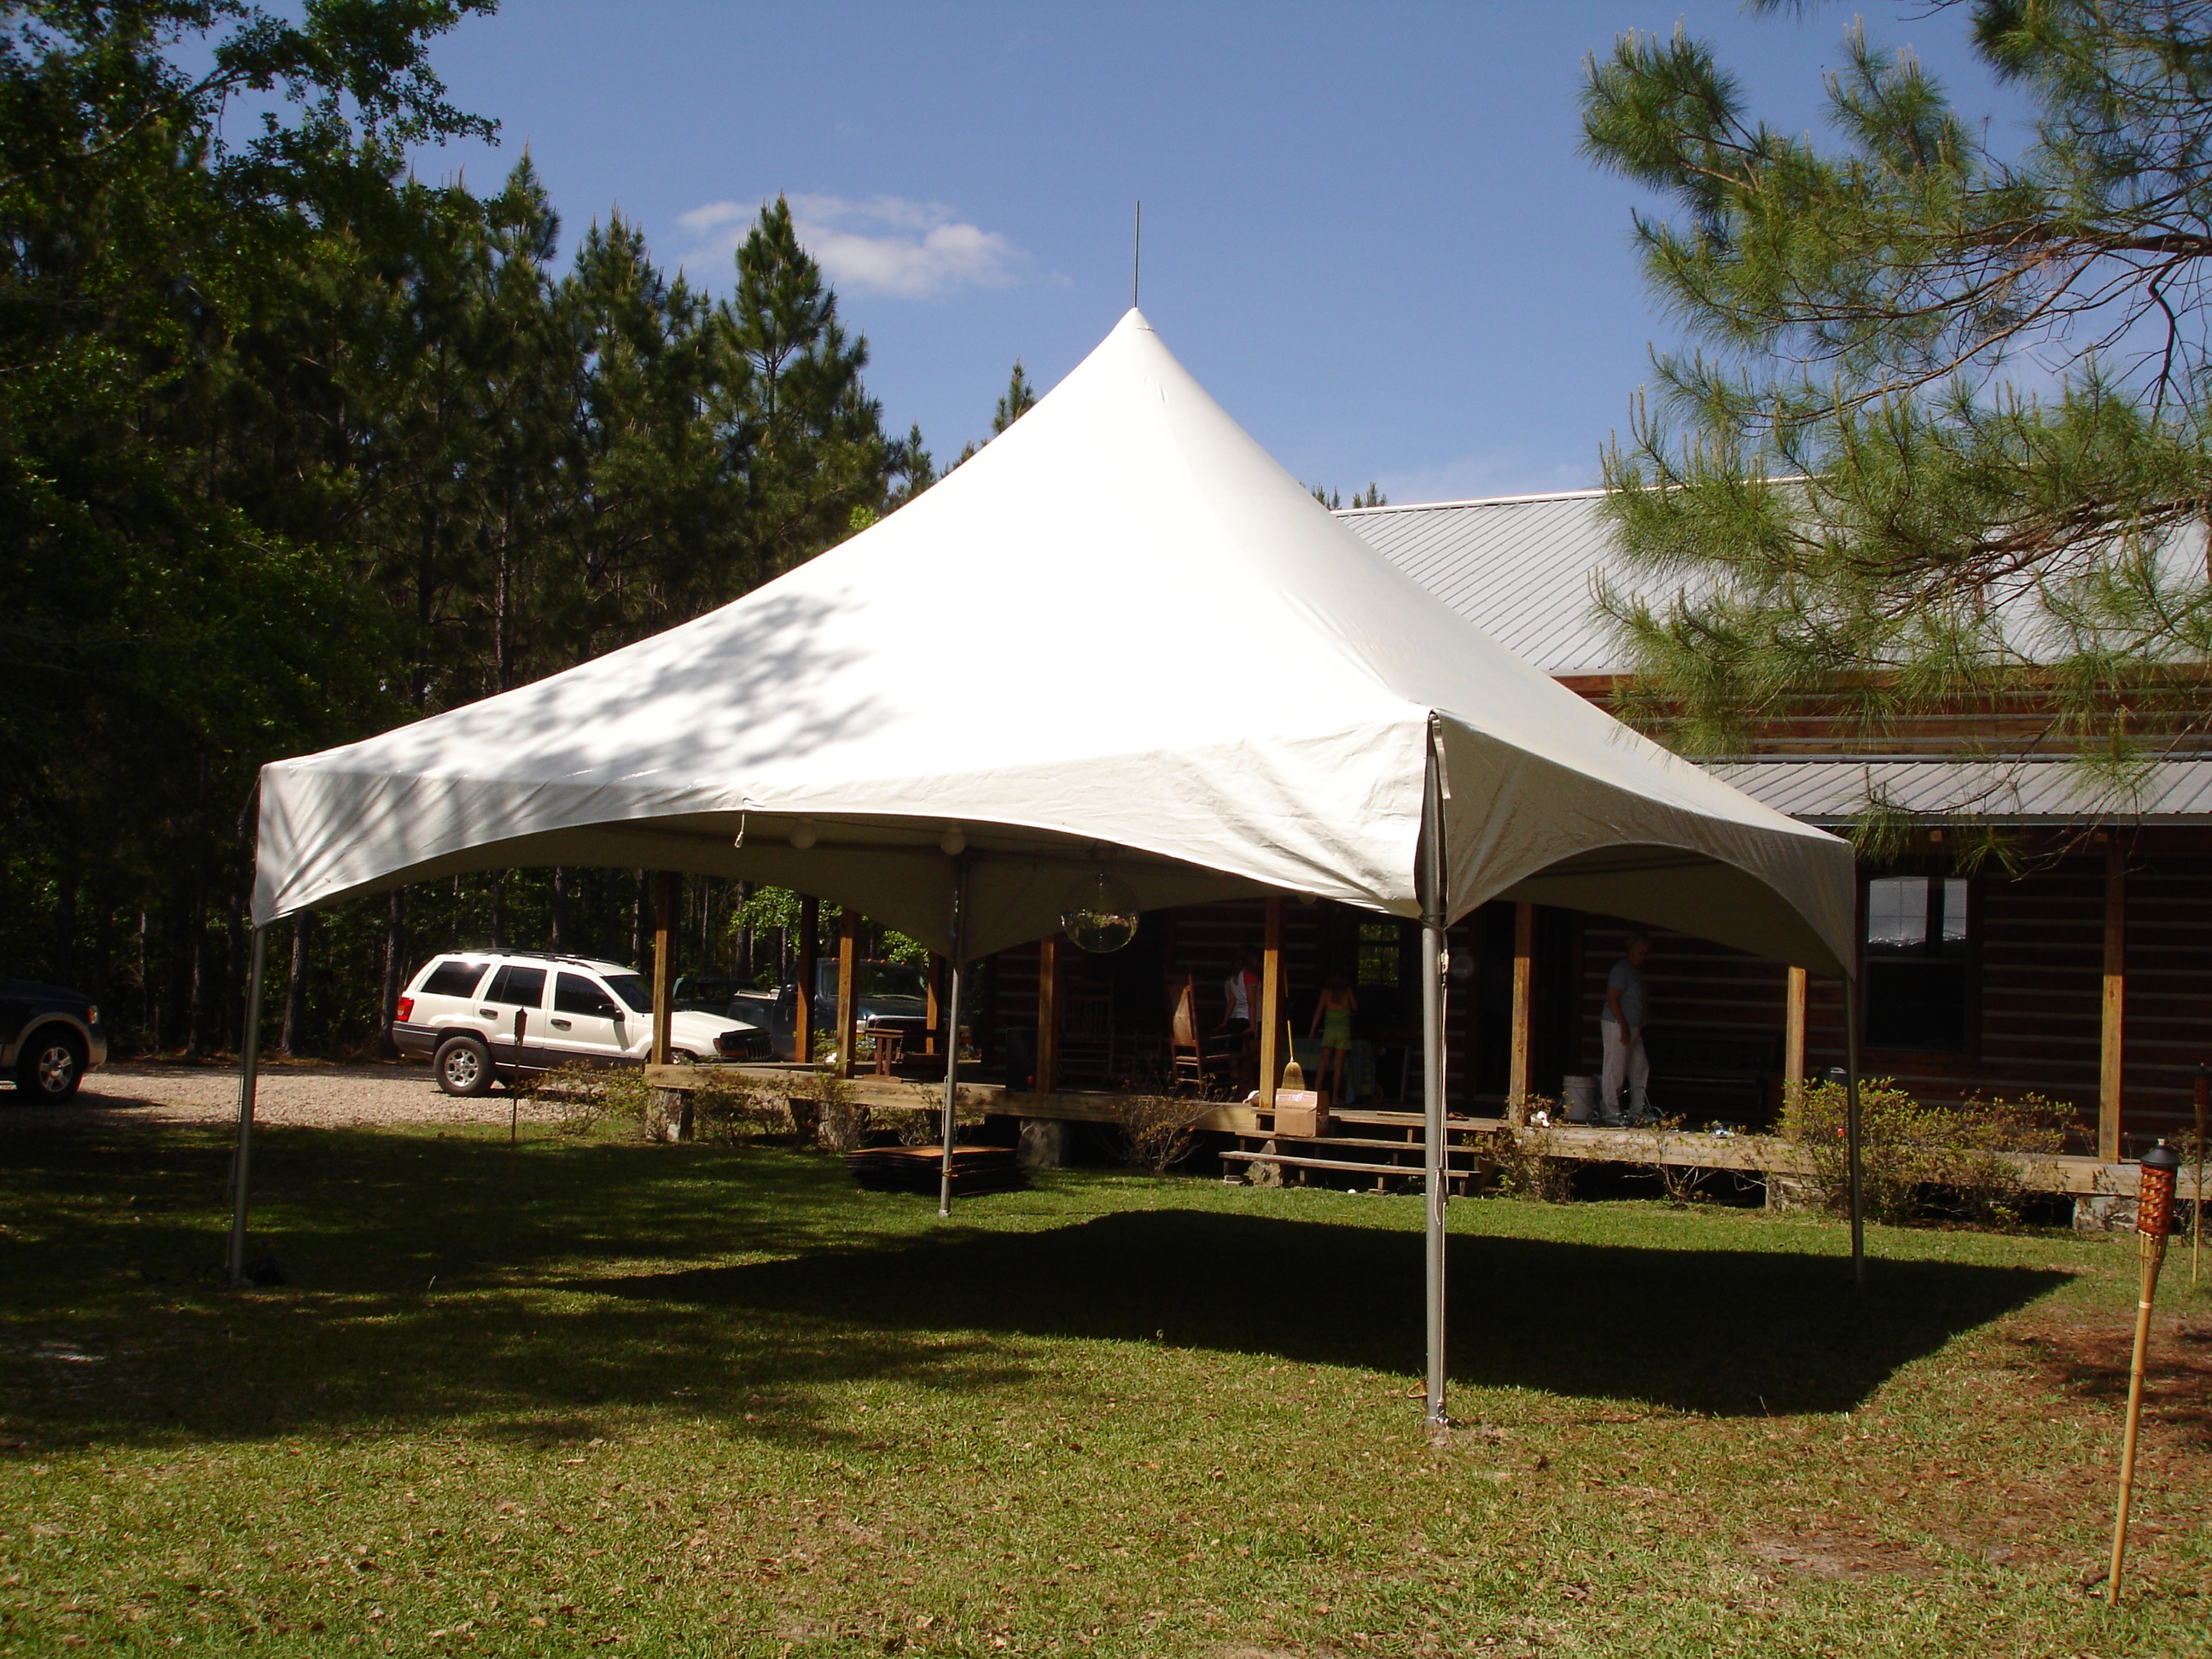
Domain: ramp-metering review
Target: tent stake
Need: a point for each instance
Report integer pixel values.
(235, 1269)
(1852, 1125)
(957, 967)
(1432, 1082)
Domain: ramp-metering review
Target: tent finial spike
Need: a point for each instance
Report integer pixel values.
(1136, 253)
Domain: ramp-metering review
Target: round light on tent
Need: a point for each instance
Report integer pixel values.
(1100, 913)
(954, 843)
(803, 837)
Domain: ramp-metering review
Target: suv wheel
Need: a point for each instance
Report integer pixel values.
(463, 1066)
(50, 1066)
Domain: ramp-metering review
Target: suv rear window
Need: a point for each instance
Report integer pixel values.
(518, 987)
(452, 978)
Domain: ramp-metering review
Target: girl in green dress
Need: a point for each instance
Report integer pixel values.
(1332, 1022)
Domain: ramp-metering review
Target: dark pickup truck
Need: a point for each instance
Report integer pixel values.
(50, 1038)
(893, 996)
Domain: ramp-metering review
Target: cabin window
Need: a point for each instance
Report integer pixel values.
(1917, 939)
(1379, 952)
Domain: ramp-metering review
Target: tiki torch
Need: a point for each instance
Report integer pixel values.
(2154, 1216)
(2197, 1207)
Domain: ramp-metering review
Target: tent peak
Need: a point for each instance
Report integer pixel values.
(1134, 319)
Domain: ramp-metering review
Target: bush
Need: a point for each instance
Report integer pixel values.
(727, 1107)
(1526, 1163)
(1909, 1154)
(1160, 1128)
(585, 1097)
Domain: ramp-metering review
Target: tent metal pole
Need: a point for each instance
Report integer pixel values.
(249, 1064)
(1851, 1128)
(1432, 1081)
(957, 972)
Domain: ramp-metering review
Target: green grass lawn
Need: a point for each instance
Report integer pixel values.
(686, 1400)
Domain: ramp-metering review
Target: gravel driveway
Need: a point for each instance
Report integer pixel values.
(331, 1097)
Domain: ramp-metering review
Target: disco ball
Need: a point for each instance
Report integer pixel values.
(1100, 915)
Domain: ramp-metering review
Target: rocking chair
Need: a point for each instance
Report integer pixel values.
(1193, 1061)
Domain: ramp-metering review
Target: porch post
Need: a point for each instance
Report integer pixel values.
(1524, 1013)
(802, 1036)
(2113, 1034)
(931, 979)
(235, 1269)
(1795, 997)
(1271, 1004)
(1048, 1041)
(958, 966)
(848, 987)
(665, 889)
(1433, 912)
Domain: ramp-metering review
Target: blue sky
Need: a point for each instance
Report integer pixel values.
(1367, 229)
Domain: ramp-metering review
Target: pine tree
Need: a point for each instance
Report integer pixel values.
(1855, 495)
(817, 449)
(1020, 398)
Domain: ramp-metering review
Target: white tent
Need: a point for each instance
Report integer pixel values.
(1120, 638)
(1120, 633)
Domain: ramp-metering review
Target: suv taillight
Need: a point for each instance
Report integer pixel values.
(406, 1009)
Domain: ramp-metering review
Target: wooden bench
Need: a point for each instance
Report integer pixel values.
(1713, 1057)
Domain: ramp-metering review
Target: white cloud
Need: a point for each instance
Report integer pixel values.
(885, 245)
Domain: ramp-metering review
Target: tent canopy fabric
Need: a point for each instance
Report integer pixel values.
(1120, 638)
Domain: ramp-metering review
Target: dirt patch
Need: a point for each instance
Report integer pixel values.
(2087, 1359)
(1838, 1555)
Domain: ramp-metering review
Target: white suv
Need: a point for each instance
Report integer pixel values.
(480, 1015)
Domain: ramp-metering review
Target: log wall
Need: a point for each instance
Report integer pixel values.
(2035, 992)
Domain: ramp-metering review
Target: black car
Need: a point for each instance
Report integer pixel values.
(50, 1038)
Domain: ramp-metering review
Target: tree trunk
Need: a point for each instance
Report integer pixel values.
(65, 964)
(235, 925)
(499, 909)
(637, 924)
(196, 995)
(149, 1032)
(296, 993)
(558, 938)
(395, 952)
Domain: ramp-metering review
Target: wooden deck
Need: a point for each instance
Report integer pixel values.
(1764, 1156)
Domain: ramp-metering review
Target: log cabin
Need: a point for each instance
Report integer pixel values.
(2084, 975)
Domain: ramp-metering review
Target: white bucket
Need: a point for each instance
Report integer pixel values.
(1580, 1093)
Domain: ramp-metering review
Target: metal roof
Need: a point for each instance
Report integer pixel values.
(1524, 568)
(2053, 791)
(1521, 568)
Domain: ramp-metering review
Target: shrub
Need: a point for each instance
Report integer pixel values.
(1160, 1129)
(1909, 1152)
(1527, 1162)
(727, 1107)
(585, 1097)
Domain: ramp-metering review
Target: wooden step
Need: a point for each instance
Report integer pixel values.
(1353, 1140)
(1415, 1119)
(1332, 1163)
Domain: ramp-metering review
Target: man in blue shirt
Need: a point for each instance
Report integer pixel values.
(1620, 1029)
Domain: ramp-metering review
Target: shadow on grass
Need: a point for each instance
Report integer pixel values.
(1723, 1332)
(446, 1284)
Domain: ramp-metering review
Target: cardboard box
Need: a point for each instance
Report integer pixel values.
(1302, 1112)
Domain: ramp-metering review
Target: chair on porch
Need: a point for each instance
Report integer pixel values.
(1086, 1034)
(1193, 1059)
